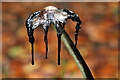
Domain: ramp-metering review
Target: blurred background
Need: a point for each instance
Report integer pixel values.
(97, 41)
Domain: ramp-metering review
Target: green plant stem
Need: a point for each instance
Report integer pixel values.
(76, 56)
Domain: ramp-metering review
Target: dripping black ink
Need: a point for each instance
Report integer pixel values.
(44, 18)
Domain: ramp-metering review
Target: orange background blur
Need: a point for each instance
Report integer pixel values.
(97, 42)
